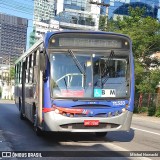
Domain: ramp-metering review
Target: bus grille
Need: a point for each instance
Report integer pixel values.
(81, 126)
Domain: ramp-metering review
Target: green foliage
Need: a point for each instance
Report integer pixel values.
(102, 23)
(145, 38)
(151, 110)
(140, 109)
(146, 82)
(144, 32)
(157, 114)
(12, 73)
(143, 109)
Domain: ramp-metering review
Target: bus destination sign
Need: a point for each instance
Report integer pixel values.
(84, 42)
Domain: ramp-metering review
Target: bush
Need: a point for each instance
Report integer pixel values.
(135, 110)
(151, 110)
(143, 109)
(140, 110)
(157, 114)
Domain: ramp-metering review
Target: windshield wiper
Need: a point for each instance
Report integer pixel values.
(110, 58)
(105, 70)
(77, 63)
(65, 82)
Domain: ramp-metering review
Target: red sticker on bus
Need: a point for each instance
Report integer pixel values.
(72, 93)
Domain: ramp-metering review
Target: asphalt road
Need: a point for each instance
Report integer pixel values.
(18, 135)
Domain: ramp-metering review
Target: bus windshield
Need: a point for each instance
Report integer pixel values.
(84, 74)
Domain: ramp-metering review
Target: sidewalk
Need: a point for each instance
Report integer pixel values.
(147, 118)
(7, 101)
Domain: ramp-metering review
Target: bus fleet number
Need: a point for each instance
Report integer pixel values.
(117, 103)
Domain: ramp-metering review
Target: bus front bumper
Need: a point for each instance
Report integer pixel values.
(59, 123)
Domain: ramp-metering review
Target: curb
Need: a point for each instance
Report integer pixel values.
(7, 101)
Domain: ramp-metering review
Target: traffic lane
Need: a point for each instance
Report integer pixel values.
(145, 132)
(22, 136)
(151, 124)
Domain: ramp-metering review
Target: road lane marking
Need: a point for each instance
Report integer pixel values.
(146, 131)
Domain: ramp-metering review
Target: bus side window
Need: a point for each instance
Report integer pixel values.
(34, 58)
(29, 68)
(20, 73)
(17, 73)
(26, 69)
(34, 64)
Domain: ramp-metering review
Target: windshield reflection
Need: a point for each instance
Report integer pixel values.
(68, 80)
(87, 75)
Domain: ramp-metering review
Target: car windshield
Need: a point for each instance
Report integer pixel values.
(84, 74)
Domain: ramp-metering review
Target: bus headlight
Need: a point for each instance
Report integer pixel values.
(109, 114)
(123, 110)
(116, 113)
(57, 111)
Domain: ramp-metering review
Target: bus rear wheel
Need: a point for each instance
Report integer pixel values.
(22, 117)
(101, 134)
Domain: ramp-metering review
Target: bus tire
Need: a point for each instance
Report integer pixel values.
(101, 134)
(22, 117)
(38, 131)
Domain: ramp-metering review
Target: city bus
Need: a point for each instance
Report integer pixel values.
(77, 81)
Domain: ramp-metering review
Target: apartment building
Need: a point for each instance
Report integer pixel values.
(13, 36)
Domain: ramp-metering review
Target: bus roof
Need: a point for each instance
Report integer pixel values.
(49, 34)
(29, 50)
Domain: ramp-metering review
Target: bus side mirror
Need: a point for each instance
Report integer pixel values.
(43, 65)
(42, 58)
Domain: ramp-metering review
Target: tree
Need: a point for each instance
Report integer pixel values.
(102, 22)
(145, 35)
(12, 73)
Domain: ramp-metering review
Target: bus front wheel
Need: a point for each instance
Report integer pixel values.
(22, 117)
(101, 134)
(37, 130)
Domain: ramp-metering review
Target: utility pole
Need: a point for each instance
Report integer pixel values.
(101, 4)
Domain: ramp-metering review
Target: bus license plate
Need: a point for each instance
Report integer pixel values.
(91, 122)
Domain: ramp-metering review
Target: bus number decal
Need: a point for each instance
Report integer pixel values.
(118, 103)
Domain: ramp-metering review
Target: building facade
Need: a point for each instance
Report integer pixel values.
(77, 14)
(53, 15)
(13, 36)
(43, 10)
(120, 7)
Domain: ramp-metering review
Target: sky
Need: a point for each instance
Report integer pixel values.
(24, 9)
